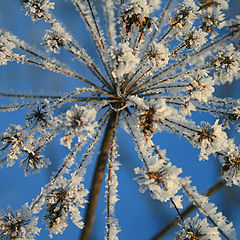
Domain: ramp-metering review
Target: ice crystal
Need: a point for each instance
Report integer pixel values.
(161, 178)
(18, 225)
(38, 8)
(63, 199)
(159, 64)
(79, 121)
(196, 228)
(231, 166)
(13, 139)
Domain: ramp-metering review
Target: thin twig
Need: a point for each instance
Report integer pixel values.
(205, 212)
(212, 190)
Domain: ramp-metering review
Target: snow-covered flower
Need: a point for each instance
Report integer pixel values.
(18, 225)
(196, 228)
(63, 199)
(33, 159)
(157, 56)
(56, 38)
(79, 122)
(125, 60)
(226, 64)
(136, 14)
(38, 8)
(38, 116)
(151, 114)
(231, 166)
(200, 86)
(160, 178)
(210, 139)
(152, 68)
(12, 139)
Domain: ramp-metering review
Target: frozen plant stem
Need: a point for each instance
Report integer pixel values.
(156, 63)
(212, 190)
(98, 174)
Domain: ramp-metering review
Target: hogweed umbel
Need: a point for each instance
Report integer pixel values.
(160, 63)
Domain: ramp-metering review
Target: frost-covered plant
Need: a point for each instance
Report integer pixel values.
(18, 225)
(160, 62)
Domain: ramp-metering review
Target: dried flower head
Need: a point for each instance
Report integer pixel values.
(231, 166)
(156, 67)
(38, 8)
(197, 229)
(18, 225)
(160, 177)
(38, 116)
(12, 139)
(136, 15)
(64, 199)
(80, 122)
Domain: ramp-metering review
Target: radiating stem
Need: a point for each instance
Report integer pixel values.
(187, 211)
(98, 174)
(204, 211)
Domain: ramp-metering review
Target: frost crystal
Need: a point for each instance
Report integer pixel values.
(18, 225)
(6, 47)
(153, 67)
(38, 8)
(160, 178)
(209, 210)
(63, 199)
(231, 166)
(197, 228)
(79, 122)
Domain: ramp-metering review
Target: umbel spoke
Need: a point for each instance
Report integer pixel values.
(212, 190)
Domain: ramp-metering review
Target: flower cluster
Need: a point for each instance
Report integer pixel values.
(196, 228)
(38, 8)
(6, 47)
(18, 225)
(162, 180)
(157, 66)
(79, 121)
(61, 200)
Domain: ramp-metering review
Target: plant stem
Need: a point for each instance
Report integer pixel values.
(98, 175)
(188, 210)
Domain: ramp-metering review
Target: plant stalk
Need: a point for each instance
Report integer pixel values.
(98, 175)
